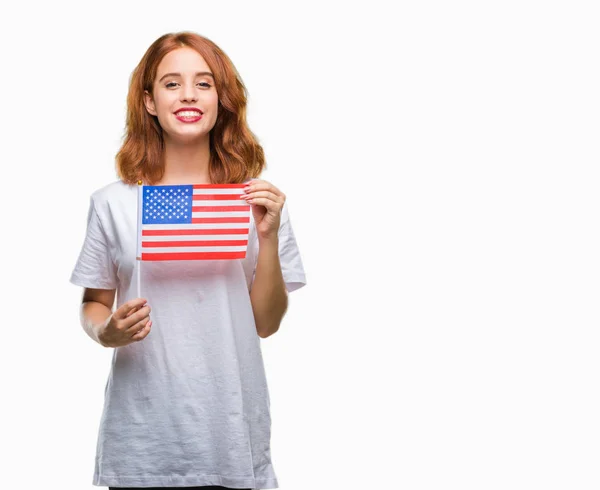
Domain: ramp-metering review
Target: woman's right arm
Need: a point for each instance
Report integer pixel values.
(96, 307)
(129, 323)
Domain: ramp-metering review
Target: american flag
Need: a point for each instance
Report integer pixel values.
(192, 222)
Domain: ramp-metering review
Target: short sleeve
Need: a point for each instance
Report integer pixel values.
(292, 268)
(94, 267)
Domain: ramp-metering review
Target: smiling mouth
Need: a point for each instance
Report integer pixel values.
(188, 116)
(188, 113)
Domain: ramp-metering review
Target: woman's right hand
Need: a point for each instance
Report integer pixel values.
(129, 323)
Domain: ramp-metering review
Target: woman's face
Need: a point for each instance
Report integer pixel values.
(183, 80)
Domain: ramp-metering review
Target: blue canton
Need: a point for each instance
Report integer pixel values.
(167, 204)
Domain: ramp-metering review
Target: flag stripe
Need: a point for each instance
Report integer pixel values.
(233, 198)
(217, 191)
(197, 226)
(221, 209)
(221, 248)
(214, 188)
(196, 238)
(194, 256)
(233, 219)
(198, 213)
(194, 243)
(194, 232)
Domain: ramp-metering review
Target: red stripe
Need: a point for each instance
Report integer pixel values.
(216, 197)
(196, 243)
(194, 256)
(218, 186)
(206, 209)
(221, 220)
(217, 231)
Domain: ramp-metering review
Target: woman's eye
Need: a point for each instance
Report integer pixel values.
(207, 85)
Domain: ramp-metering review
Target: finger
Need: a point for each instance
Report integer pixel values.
(263, 185)
(140, 305)
(129, 307)
(133, 310)
(143, 332)
(264, 194)
(136, 327)
(142, 314)
(272, 206)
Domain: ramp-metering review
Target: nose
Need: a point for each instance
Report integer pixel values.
(188, 94)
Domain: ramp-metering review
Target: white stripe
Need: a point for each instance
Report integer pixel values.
(220, 214)
(225, 190)
(177, 238)
(192, 249)
(195, 226)
(212, 202)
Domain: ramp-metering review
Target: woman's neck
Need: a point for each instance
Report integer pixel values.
(186, 163)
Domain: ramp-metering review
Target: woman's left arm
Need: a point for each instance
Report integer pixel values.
(268, 295)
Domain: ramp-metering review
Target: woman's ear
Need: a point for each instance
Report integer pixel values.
(149, 103)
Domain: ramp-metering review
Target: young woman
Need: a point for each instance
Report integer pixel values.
(186, 400)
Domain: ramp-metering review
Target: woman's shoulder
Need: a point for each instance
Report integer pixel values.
(112, 191)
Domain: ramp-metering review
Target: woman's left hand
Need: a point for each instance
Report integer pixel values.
(266, 202)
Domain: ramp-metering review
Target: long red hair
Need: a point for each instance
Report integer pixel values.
(235, 154)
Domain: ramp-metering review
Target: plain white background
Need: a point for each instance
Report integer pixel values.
(441, 165)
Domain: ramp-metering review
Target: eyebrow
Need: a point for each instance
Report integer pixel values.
(200, 73)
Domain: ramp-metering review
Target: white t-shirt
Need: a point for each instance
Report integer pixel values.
(189, 404)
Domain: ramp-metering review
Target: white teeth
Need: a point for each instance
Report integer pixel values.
(188, 114)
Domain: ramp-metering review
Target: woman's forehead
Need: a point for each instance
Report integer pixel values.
(183, 60)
